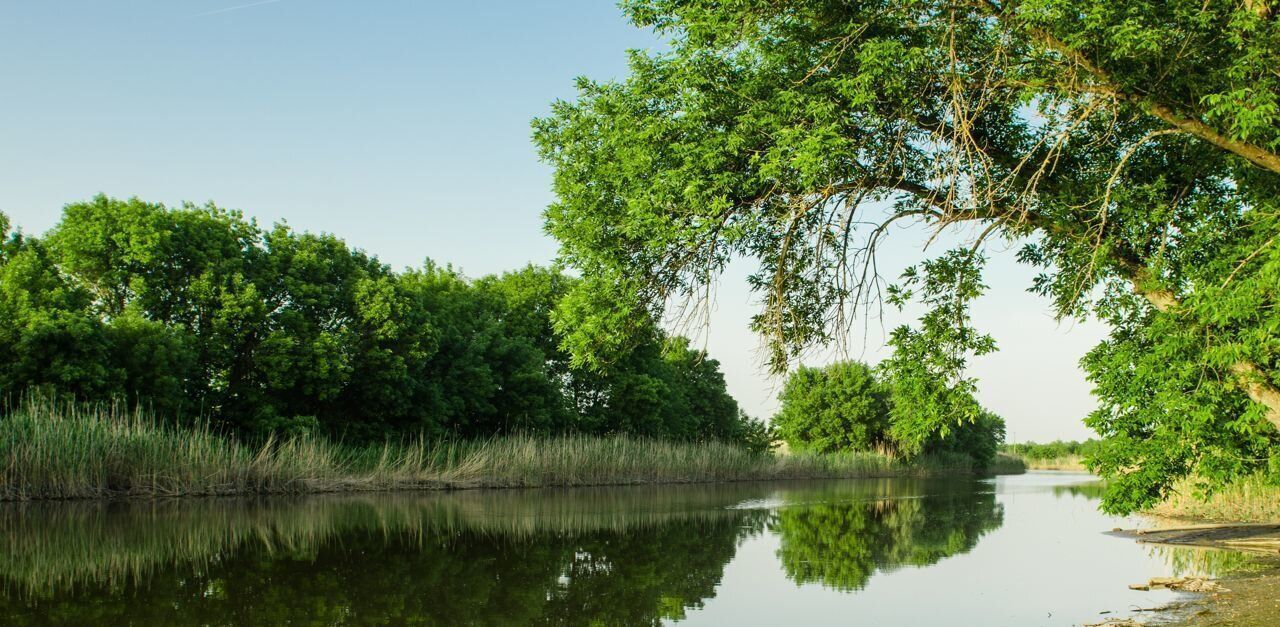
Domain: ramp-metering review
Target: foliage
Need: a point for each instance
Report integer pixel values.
(841, 407)
(1006, 464)
(979, 439)
(926, 372)
(1051, 450)
(198, 313)
(845, 406)
(1131, 149)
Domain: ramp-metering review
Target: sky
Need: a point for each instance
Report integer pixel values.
(403, 127)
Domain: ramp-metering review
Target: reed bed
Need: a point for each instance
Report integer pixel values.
(1006, 464)
(1066, 462)
(1253, 499)
(58, 450)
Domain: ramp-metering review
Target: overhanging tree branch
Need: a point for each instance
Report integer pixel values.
(1253, 153)
(1249, 375)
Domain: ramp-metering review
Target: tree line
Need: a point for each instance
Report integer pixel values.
(1056, 449)
(200, 314)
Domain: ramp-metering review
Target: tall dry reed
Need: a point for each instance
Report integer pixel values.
(59, 450)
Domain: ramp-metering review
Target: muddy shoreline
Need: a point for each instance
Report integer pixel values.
(1249, 598)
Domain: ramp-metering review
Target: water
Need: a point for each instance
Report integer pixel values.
(1019, 551)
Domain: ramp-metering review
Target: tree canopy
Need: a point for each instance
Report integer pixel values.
(198, 313)
(1131, 149)
(840, 407)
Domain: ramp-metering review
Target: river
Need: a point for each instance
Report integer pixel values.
(1023, 550)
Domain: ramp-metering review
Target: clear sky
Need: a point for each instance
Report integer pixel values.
(401, 126)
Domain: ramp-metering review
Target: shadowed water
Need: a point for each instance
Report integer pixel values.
(1025, 550)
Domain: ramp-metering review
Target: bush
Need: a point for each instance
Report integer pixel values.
(845, 407)
(840, 407)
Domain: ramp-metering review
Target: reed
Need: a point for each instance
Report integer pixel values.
(1005, 464)
(60, 450)
(1066, 462)
(1252, 499)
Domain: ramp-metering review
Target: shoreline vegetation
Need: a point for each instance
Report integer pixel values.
(1251, 499)
(1056, 455)
(1073, 463)
(270, 360)
(65, 451)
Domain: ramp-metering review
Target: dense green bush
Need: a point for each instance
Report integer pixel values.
(199, 312)
(841, 407)
(848, 406)
(980, 439)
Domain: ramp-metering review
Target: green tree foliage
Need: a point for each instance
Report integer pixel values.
(1131, 149)
(932, 396)
(847, 406)
(841, 407)
(197, 312)
(1052, 450)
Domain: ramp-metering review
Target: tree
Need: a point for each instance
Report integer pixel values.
(197, 312)
(47, 336)
(841, 407)
(1132, 149)
(932, 394)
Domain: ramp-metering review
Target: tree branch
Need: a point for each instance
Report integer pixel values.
(1251, 377)
(1253, 153)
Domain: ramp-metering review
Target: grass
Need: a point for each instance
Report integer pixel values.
(1066, 462)
(1253, 499)
(54, 450)
(1005, 464)
(1057, 455)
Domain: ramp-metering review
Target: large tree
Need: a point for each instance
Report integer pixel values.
(1132, 148)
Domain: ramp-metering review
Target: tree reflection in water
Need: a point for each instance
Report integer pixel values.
(857, 530)
(574, 557)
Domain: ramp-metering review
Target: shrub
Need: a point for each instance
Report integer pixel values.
(840, 407)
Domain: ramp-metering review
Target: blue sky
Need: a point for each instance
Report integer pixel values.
(402, 126)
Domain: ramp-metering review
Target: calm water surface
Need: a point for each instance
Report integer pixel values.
(1018, 551)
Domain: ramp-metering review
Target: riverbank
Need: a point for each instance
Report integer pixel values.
(60, 452)
(1243, 556)
(1073, 463)
(1251, 600)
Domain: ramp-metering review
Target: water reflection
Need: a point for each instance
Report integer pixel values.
(1090, 490)
(846, 539)
(565, 557)
(1193, 561)
(639, 555)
